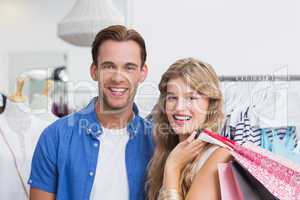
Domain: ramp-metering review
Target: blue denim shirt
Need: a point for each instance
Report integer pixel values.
(66, 156)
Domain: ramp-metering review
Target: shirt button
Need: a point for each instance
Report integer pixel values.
(91, 173)
(30, 181)
(95, 144)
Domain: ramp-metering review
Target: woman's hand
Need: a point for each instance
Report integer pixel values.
(185, 152)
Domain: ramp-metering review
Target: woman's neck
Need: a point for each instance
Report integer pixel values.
(183, 137)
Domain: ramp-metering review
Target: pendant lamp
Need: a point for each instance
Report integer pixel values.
(87, 17)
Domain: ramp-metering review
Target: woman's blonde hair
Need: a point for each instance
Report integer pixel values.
(201, 77)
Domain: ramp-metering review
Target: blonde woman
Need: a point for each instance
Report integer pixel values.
(183, 167)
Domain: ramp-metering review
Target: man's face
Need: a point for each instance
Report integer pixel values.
(118, 72)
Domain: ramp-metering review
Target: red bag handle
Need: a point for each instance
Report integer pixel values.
(220, 138)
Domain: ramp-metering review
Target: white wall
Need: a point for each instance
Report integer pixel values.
(31, 26)
(236, 37)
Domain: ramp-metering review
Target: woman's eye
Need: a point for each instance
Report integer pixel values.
(194, 98)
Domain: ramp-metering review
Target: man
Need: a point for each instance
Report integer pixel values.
(102, 151)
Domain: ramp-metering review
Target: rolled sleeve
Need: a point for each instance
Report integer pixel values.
(44, 173)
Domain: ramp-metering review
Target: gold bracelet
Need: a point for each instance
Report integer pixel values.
(169, 194)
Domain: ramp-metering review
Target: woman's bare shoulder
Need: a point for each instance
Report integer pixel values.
(220, 155)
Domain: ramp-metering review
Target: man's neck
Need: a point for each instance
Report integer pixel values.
(114, 119)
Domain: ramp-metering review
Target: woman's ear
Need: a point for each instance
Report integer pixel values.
(94, 72)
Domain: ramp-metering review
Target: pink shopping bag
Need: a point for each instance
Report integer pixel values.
(229, 188)
(280, 176)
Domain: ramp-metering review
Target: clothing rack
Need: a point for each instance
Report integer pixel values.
(250, 78)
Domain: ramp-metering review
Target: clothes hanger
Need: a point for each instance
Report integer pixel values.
(18, 97)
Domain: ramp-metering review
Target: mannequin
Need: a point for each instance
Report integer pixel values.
(19, 132)
(17, 112)
(18, 96)
(41, 104)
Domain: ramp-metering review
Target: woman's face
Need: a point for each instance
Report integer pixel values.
(185, 108)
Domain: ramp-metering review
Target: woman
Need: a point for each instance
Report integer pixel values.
(183, 167)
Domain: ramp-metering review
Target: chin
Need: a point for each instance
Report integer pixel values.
(118, 105)
(115, 103)
(181, 131)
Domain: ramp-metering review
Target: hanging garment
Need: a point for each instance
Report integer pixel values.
(244, 131)
(269, 102)
(293, 104)
(268, 134)
(225, 131)
(297, 149)
(20, 131)
(2, 102)
(247, 131)
(60, 110)
(284, 147)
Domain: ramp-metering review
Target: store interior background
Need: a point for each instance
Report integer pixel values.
(236, 37)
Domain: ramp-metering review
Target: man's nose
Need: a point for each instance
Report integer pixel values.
(118, 76)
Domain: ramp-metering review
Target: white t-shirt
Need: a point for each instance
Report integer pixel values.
(111, 176)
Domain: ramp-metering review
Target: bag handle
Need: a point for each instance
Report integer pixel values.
(219, 139)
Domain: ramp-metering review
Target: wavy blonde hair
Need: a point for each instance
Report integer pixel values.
(201, 77)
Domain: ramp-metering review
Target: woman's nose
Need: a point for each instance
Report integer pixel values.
(181, 104)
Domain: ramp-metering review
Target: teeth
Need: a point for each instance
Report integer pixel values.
(118, 89)
(182, 117)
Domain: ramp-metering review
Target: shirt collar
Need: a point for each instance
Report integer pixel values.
(93, 126)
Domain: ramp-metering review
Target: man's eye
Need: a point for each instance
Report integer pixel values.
(107, 66)
(130, 67)
(171, 98)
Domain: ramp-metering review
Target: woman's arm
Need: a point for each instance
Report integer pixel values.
(206, 185)
(182, 154)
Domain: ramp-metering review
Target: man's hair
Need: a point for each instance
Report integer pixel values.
(118, 33)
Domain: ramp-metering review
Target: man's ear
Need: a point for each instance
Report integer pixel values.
(144, 73)
(94, 72)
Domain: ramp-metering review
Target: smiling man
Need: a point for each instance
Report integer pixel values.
(102, 151)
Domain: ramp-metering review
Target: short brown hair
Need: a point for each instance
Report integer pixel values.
(118, 33)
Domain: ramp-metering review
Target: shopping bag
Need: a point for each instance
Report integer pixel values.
(249, 187)
(229, 188)
(280, 176)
